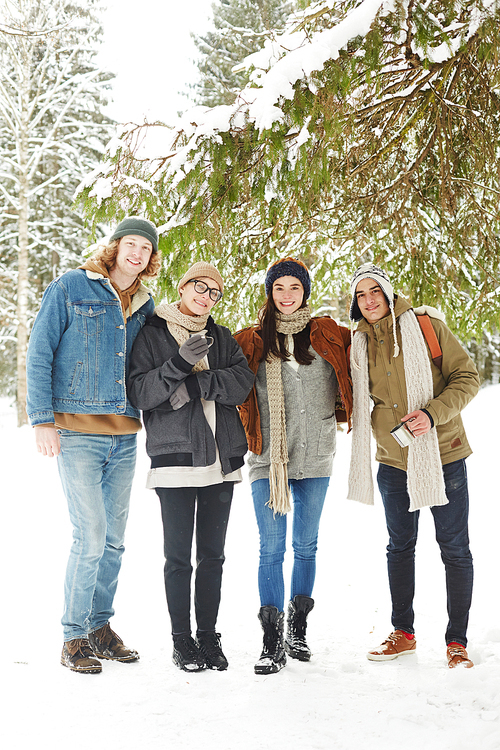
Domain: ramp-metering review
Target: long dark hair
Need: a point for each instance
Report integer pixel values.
(274, 342)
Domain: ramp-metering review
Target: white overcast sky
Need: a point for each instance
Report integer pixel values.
(147, 44)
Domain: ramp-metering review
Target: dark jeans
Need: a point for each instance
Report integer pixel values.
(452, 536)
(179, 508)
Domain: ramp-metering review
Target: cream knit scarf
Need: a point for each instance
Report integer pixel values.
(279, 497)
(182, 326)
(425, 472)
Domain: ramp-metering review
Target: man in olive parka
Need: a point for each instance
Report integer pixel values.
(396, 381)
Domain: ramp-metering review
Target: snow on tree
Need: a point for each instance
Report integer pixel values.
(240, 28)
(369, 129)
(52, 132)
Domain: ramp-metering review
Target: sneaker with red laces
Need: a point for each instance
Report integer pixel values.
(457, 656)
(397, 644)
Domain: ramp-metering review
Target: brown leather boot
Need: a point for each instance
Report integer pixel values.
(79, 657)
(106, 644)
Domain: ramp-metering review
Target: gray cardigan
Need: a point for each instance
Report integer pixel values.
(311, 426)
(184, 437)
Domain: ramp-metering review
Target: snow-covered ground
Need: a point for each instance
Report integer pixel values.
(339, 700)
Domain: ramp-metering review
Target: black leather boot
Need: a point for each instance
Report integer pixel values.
(273, 657)
(295, 641)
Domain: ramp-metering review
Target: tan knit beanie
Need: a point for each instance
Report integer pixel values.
(199, 270)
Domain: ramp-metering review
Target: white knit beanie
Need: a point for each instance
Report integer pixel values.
(369, 271)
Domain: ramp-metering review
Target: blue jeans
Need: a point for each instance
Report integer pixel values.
(308, 499)
(96, 473)
(451, 524)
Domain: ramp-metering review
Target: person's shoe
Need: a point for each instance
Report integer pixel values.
(211, 650)
(187, 655)
(457, 656)
(79, 657)
(273, 657)
(295, 640)
(397, 644)
(107, 645)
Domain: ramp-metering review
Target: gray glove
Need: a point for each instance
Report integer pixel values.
(194, 349)
(179, 397)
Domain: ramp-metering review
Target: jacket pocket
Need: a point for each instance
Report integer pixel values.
(75, 380)
(90, 318)
(327, 436)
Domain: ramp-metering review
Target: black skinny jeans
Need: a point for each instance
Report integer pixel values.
(180, 507)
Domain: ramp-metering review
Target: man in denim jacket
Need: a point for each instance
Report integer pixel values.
(77, 402)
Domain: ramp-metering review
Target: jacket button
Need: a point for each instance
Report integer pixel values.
(388, 373)
(120, 354)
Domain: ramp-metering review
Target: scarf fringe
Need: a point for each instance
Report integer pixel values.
(278, 452)
(279, 491)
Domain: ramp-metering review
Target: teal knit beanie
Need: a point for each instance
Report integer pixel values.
(136, 225)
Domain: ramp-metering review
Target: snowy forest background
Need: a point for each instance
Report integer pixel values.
(338, 131)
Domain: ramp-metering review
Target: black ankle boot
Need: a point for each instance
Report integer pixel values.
(211, 650)
(273, 657)
(295, 641)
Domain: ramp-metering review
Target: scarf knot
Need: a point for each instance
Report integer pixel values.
(183, 326)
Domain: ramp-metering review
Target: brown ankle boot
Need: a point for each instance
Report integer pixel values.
(79, 657)
(106, 644)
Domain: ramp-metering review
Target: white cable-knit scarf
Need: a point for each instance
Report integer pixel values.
(279, 496)
(425, 473)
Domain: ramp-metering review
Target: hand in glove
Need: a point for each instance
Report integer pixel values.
(179, 397)
(194, 349)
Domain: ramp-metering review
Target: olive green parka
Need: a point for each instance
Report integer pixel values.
(454, 386)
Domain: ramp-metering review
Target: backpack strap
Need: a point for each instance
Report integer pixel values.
(432, 340)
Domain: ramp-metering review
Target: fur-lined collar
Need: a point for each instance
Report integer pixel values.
(138, 300)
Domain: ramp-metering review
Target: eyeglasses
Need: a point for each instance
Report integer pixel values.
(202, 288)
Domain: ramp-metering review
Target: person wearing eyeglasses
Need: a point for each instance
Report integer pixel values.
(187, 374)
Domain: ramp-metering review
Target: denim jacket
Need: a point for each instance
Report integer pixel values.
(79, 348)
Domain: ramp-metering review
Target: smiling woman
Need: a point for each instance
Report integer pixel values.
(290, 421)
(188, 385)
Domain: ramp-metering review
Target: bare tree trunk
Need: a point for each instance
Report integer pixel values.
(23, 253)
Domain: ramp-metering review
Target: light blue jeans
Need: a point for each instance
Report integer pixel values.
(308, 499)
(96, 473)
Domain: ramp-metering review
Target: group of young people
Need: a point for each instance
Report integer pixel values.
(100, 352)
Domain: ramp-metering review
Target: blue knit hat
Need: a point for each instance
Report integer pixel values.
(288, 267)
(136, 225)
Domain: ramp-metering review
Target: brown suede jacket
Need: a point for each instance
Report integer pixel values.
(330, 341)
